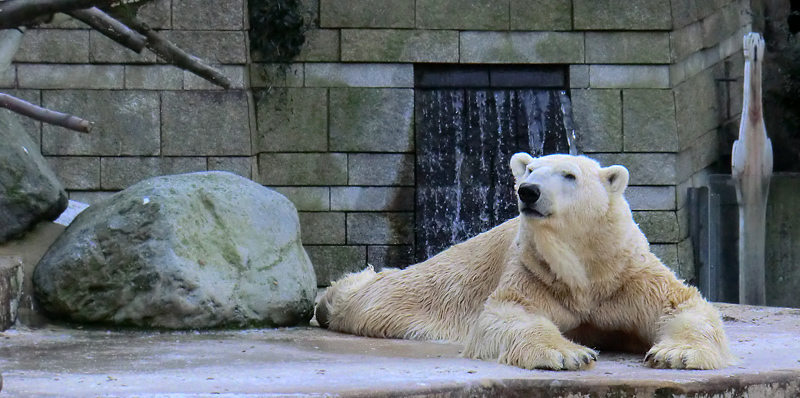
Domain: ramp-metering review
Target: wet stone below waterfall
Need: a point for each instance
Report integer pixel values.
(188, 251)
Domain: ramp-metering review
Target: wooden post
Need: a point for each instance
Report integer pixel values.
(752, 169)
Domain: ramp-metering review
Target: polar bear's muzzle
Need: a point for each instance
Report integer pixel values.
(530, 201)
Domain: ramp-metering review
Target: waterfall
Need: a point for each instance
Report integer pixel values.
(465, 139)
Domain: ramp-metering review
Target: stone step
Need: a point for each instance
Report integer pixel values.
(313, 362)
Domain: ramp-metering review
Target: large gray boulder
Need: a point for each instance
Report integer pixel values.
(189, 251)
(29, 190)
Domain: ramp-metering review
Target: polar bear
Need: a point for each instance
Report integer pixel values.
(572, 271)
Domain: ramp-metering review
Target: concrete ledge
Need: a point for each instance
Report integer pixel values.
(314, 362)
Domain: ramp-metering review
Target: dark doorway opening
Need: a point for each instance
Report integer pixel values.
(470, 120)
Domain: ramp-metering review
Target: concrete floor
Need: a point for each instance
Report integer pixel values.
(60, 362)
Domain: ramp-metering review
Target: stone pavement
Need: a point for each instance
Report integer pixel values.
(60, 362)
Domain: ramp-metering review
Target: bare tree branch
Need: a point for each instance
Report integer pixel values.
(32, 111)
(110, 27)
(15, 13)
(174, 55)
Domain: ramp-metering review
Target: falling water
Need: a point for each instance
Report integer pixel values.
(465, 139)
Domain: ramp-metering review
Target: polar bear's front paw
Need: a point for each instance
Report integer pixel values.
(563, 356)
(674, 355)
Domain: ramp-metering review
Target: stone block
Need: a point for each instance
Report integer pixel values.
(86, 77)
(62, 21)
(372, 199)
(522, 47)
(686, 268)
(333, 262)
(61, 46)
(322, 45)
(705, 150)
(683, 223)
(106, 51)
(629, 76)
(157, 14)
(126, 123)
(682, 193)
(90, 197)
(579, 76)
(541, 15)
(9, 78)
(649, 121)
(695, 107)
(683, 165)
(691, 65)
(366, 14)
(627, 48)
(302, 168)
(463, 14)
(380, 228)
(76, 172)
(684, 12)
(359, 75)
(237, 165)
(153, 77)
(120, 173)
(598, 119)
(622, 15)
(307, 198)
(32, 127)
(380, 169)
(382, 257)
(686, 41)
(208, 15)
(644, 168)
(651, 197)
(658, 226)
(371, 120)
(293, 120)
(310, 9)
(668, 254)
(399, 45)
(276, 75)
(322, 228)
(216, 47)
(720, 25)
(205, 123)
(233, 72)
(713, 29)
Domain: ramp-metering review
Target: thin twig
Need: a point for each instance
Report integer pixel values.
(174, 55)
(110, 27)
(32, 111)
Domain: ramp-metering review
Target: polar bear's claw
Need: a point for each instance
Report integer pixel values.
(670, 355)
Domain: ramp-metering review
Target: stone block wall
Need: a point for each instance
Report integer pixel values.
(651, 83)
(647, 81)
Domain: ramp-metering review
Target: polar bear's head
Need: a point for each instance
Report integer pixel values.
(564, 187)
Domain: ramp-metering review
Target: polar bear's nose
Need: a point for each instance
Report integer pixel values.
(529, 193)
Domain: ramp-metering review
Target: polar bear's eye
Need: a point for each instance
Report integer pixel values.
(569, 176)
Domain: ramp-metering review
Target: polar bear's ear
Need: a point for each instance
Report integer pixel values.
(520, 162)
(616, 177)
